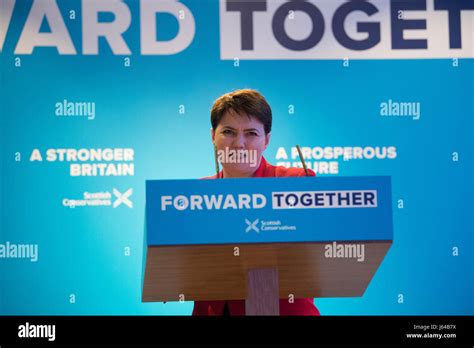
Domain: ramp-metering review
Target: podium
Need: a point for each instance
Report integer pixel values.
(264, 239)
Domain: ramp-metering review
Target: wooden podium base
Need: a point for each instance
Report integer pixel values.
(262, 292)
(191, 273)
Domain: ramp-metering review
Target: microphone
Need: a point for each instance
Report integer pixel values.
(217, 162)
(302, 160)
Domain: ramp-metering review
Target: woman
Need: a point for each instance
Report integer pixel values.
(241, 125)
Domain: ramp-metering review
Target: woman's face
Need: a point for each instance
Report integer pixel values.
(239, 132)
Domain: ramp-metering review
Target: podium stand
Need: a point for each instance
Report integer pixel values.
(226, 254)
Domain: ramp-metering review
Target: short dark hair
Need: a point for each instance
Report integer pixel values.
(246, 101)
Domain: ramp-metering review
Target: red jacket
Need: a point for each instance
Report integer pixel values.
(304, 306)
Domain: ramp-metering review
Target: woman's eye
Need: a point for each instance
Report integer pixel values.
(254, 134)
(227, 132)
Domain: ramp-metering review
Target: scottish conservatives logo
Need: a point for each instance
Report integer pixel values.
(95, 199)
(269, 225)
(252, 226)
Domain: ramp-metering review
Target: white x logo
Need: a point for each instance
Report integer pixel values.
(251, 226)
(123, 198)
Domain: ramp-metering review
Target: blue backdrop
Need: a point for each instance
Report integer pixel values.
(90, 258)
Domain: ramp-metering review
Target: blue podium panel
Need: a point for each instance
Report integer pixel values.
(268, 210)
